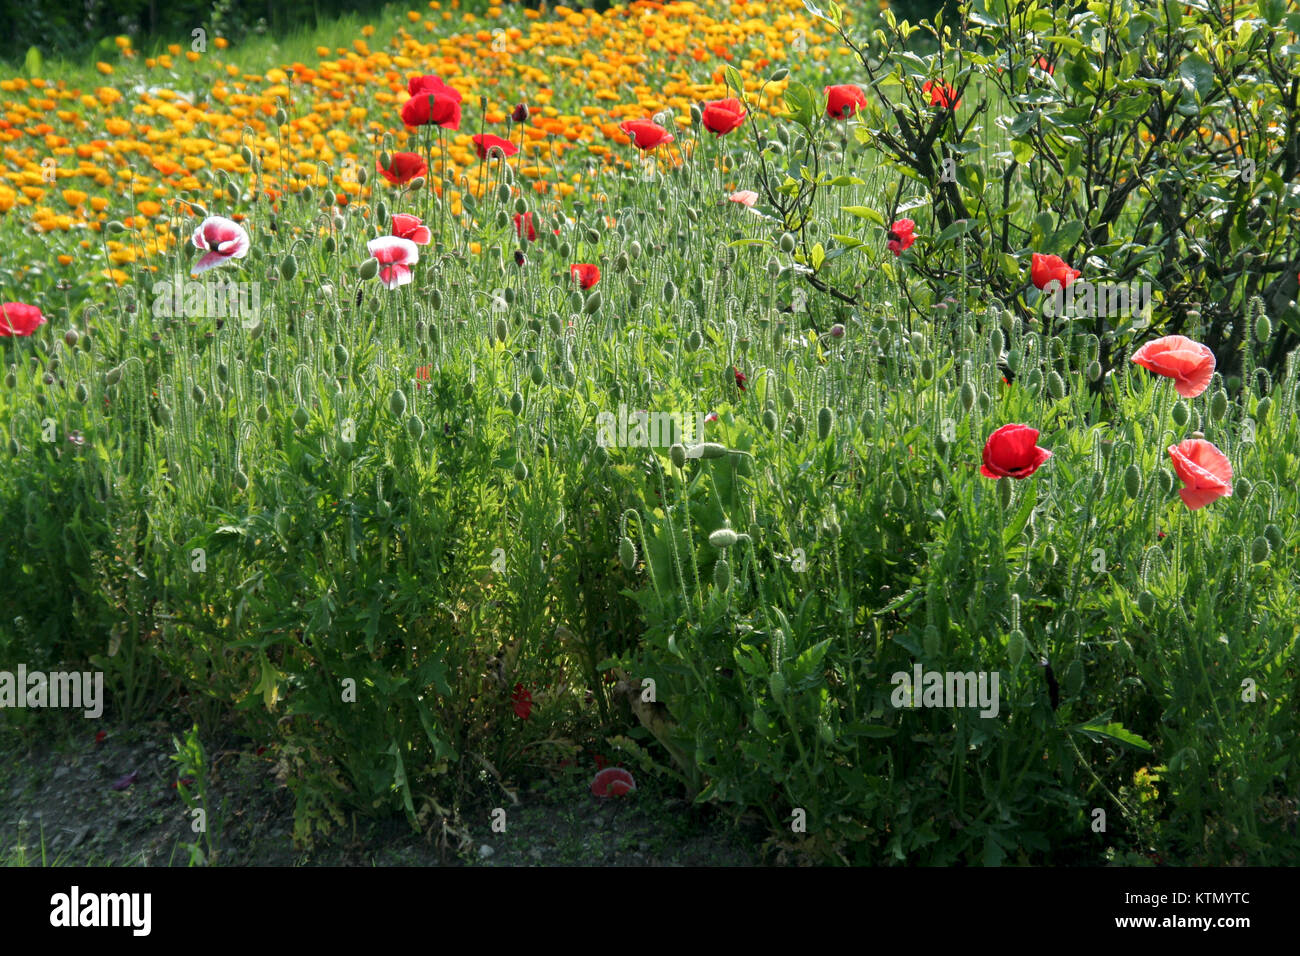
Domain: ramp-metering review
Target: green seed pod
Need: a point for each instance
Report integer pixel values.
(996, 341)
(787, 242)
(670, 292)
(1014, 360)
(1243, 488)
(1094, 370)
(369, 269)
(800, 426)
(467, 391)
(1218, 405)
(516, 403)
(288, 267)
(694, 341)
(1166, 481)
(787, 397)
(593, 302)
(1004, 492)
(435, 300)
(397, 403)
(1055, 385)
(627, 553)
(1181, 414)
(241, 480)
(70, 338)
(340, 356)
(825, 422)
(1259, 550)
(1262, 407)
(502, 330)
(198, 395)
(930, 641)
(1034, 380)
(81, 393)
(722, 574)
(1263, 329)
(723, 538)
(520, 471)
(927, 368)
(967, 395)
(114, 227)
(537, 374)
(114, 374)
(776, 682)
(281, 117)
(1132, 481)
(1015, 647)
(769, 420)
(1050, 555)
(381, 212)
(1274, 535)
(678, 455)
(1147, 603)
(223, 371)
(263, 414)
(415, 427)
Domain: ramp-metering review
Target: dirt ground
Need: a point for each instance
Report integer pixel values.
(58, 806)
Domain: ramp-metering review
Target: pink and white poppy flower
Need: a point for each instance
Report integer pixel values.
(746, 197)
(396, 256)
(223, 239)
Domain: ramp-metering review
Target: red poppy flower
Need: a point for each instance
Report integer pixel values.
(941, 94)
(523, 221)
(403, 168)
(100, 737)
(1205, 471)
(722, 116)
(844, 101)
(645, 134)
(1043, 63)
(485, 141)
(1044, 269)
(406, 226)
(612, 782)
(1189, 363)
(586, 274)
(901, 236)
(523, 702)
(1012, 452)
(422, 372)
(19, 319)
(740, 377)
(432, 101)
(601, 761)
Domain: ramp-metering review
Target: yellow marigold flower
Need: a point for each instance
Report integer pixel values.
(367, 30)
(7, 198)
(174, 49)
(122, 42)
(104, 68)
(221, 43)
(74, 197)
(116, 275)
(192, 56)
(98, 203)
(149, 208)
(66, 260)
(413, 15)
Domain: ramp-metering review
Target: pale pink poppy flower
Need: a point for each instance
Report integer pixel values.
(746, 197)
(1189, 363)
(223, 239)
(396, 256)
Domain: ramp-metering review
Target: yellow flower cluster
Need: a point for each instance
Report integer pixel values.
(69, 156)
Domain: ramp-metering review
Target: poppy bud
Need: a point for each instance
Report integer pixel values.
(780, 75)
(1274, 535)
(1259, 550)
(787, 242)
(1094, 370)
(593, 302)
(516, 403)
(776, 682)
(670, 291)
(1055, 385)
(397, 403)
(697, 115)
(369, 269)
(722, 577)
(708, 449)
(82, 393)
(113, 226)
(520, 114)
(537, 375)
(787, 397)
(241, 480)
(627, 553)
(996, 341)
(1181, 414)
(1015, 647)
(289, 267)
(198, 395)
(825, 422)
(967, 395)
(1147, 603)
(1166, 481)
(1004, 492)
(263, 414)
(927, 368)
(502, 330)
(1262, 407)
(678, 455)
(837, 331)
(769, 420)
(1132, 481)
(1263, 329)
(1244, 488)
(723, 538)
(415, 427)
